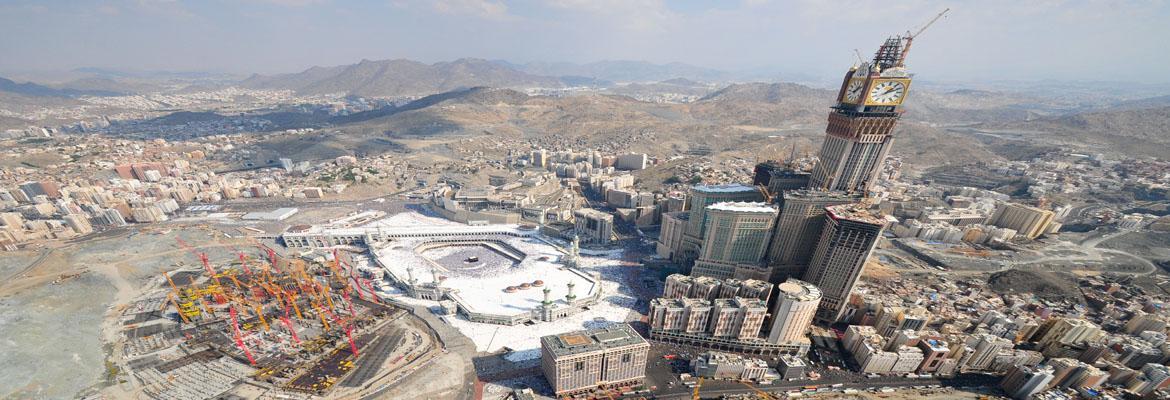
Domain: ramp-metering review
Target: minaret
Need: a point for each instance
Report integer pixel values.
(574, 253)
(435, 275)
(410, 276)
(547, 306)
(570, 297)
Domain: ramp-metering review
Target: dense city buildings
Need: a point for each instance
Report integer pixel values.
(1031, 270)
(728, 314)
(679, 286)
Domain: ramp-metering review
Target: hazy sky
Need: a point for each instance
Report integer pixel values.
(978, 40)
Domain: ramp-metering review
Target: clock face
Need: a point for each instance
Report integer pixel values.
(853, 91)
(887, 92)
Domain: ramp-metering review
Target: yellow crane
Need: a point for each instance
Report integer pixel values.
(764, 191)
(695, 394)
(260, 314)
(171, 301)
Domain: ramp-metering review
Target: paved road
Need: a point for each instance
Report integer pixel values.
(714, 389)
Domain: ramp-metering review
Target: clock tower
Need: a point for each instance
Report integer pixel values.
(859, 133)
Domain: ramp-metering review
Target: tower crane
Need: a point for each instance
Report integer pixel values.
(910, 37)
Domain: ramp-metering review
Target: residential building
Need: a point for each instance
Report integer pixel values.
(1022, 382)
(1028, 221)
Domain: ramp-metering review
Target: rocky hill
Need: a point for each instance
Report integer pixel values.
(392, 78)
(749, 120)
(1125, 131)
(625, 71)
(36, 90)
(765, 104)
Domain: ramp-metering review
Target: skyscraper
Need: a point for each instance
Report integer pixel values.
(802, 215)
(700, 197)
(735, 241)
(859, 133)
(849, 235)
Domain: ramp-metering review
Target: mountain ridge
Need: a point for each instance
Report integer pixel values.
(401, 77)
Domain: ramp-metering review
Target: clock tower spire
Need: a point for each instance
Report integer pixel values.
(859, 132)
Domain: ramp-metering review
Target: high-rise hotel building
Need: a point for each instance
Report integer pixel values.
(699, 199)
(849, 235)
(735, 241)
(859, 132)
(802, 216)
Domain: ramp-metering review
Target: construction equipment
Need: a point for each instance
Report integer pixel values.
(173, 287)
(288, 324)
(695, 394)
(260, 315)
(764, 191)
(170, 300)
(910, 38)
(239, 337)
(349, 335)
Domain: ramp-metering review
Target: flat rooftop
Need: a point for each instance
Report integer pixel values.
(820, 194)
(730, 188)
(854, 212)
(747, 207)
(799, 290)
(592, 213)
(589, 340)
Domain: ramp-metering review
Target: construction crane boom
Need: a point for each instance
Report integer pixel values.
(239, 338)
(349, 335)
(288, 324)
(910, 37)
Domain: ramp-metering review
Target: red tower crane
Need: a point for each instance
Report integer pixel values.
(349, 335)
(288, 324)
(239, 337)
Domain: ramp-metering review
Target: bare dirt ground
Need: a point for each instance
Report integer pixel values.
(877, 271)
(54, 303)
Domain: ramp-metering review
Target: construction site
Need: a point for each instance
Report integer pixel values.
(267, 326)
